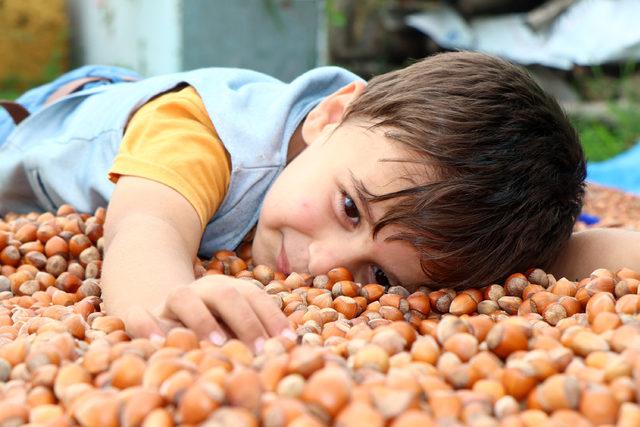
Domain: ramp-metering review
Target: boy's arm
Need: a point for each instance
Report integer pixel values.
(152, 235)
(588, 250)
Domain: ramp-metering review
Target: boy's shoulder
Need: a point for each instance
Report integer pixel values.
(237, 77)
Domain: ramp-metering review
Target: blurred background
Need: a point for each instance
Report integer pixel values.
(585, 52)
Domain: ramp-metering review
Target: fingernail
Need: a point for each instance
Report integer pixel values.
(259, 344)
(217, 338)
(289, 334)
(156, 339)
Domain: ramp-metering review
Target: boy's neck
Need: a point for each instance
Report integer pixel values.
(296, 144)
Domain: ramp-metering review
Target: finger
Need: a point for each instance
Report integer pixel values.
(228, 304)
(141, 324)
(271, 316)
(189, 308)
(167, 324)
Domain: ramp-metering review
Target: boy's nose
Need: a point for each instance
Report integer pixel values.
(349, 253)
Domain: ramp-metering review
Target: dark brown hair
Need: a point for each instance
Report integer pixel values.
(508, 168)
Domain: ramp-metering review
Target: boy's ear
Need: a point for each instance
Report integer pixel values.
(330, 110)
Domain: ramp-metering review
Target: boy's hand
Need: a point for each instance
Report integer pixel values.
(216, 308)
(152, 235)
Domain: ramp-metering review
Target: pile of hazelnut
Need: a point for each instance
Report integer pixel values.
(533, 351)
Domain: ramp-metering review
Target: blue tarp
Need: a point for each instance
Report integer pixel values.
(621, 171)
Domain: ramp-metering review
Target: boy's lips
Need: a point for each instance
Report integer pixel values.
(282, 261)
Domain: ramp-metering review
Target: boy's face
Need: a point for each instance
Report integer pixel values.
(312, 219)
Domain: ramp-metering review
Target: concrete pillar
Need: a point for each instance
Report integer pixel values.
(282, 38)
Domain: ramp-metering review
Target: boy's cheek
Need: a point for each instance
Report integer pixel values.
(308, 215)
(295, 222)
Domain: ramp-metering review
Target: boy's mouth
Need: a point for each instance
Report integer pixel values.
(282, 261)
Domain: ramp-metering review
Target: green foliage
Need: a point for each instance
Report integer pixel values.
(9, 94)
(335, 16)
(620, 130)
(602, 140)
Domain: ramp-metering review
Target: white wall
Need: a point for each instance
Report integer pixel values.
(283, 38)
(140, 34)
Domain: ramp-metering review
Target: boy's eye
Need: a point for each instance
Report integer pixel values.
(350, 208)
(380, 277)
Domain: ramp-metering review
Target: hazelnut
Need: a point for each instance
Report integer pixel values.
(329, 388)
(531, 289)
(629, 415)
(503, 339)
(70, 374)
(564, 287)
(392, 402)
(444, 404)
(515, 284)
(449, 326)
(518, 382)
(346, 305)
(138, 404)
(493, 292)
(559, 391)
(359, 413)
(553, 313)
(540, 301)
(373, 357)
(338, 274)
(425, 349)
(372, 291)
(463, 303)
(243, 388)
(510, 304)
(197, 402)
(346, 288)
(127, 371)
(420, 302)
(464, 345)
(488, 306)
(440, 300)
(599, 302)
(628, 304)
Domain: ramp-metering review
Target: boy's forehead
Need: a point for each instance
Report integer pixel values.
(390, 174)
(380, 161)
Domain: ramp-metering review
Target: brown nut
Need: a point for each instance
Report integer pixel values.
(515, 284)
(373, 357)
(243, 388)
(510, 304)
(540, 300)
(440, 300)
(599, 302)
(493, 292)
(564, 287)
(503, 339)
(346, 305)
(463, 303)
(359, 413)
(518, 382)
(329, 389)
(464, 345)
(127, 371)
(420, 302)
(559, 391)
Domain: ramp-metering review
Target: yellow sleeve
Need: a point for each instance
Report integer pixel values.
(172, 140)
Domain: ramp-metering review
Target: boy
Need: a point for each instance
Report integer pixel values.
(455, 171)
